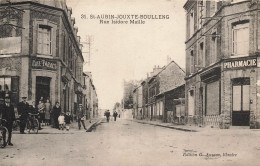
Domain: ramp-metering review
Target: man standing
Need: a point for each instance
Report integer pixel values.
(115, 115)
(9, 115)
(81, 117)
(107, 114)
(23, 108)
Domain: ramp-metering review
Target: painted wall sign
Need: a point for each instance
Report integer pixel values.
(44, 64)
(240, 63)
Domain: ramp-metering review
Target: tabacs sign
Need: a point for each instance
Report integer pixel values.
(240, 63)
(44, 64)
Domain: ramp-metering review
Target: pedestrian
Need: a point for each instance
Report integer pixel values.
(41, 109)
(9, 115)
(107, 114)
(56, 113)
(67, 120)
(61, 120)
(47, 112)
(115, 115)
(22, 108)
(81, 117)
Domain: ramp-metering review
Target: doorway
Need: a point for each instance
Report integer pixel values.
(240, 102)
(42, 88)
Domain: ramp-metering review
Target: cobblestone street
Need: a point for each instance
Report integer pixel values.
(126, 142)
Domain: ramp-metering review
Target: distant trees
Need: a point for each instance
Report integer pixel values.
(129, 87)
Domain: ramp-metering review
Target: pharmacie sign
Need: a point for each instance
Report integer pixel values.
(240, 63)
(44, 64)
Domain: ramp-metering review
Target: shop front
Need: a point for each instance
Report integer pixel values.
(241, 91)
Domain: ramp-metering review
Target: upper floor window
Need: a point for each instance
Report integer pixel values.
(240, 39)
(202, 54)
(191, 26)
(44, 40)
(191, 61)
(201, 15)
(213, 48)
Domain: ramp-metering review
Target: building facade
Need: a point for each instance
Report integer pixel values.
(40, 53)
(138, 102)
(222, 63)
(90, 96)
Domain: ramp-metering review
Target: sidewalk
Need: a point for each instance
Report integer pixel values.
(169, 125)
(73, 128)
(207, 129)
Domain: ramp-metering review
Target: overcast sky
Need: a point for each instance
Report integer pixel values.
(129, 51)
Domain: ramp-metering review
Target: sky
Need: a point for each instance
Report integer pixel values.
(128, 51)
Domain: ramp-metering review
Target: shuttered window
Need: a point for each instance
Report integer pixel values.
(212, 98)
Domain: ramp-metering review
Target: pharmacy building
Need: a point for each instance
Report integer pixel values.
(223, 63)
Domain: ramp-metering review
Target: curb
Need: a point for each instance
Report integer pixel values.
(170, 127)
(93, 124)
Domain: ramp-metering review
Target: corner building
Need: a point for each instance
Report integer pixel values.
(222, 63)
(40, 53)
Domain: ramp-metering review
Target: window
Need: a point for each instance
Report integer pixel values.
(241, 94)
(64, 48)
(191, 61)
(213, 48)
(201, 12)
(44, 40)
(201, 54)
(213, 7)
(191, 23)
(240, 39)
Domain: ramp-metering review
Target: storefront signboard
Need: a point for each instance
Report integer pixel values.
(240, 63)
(47, 64)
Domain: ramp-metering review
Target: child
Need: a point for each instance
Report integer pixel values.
(67, 120)
(61, 121)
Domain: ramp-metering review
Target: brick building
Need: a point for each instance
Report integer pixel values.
(222, 63)
(40, 52)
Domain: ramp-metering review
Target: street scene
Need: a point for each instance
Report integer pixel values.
(126, 142)
(104, 82)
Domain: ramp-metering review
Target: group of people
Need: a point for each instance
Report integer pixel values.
(107, 114)
(47, 114)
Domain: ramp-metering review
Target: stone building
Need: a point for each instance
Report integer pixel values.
(138, 102)
(222, 63)
(90, 96)
(40, 52)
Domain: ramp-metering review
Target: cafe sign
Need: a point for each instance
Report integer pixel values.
(44, 64)
(240, 63)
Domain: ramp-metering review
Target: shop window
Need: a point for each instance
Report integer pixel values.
(212, 98)
(9, 88)
(191, 103)
(44, 40)
(240, 39)
(241, 99)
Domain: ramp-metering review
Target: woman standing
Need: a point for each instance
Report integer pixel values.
(47, 112)
(41, 109)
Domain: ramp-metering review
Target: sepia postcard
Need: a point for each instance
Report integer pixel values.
(130, 82)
